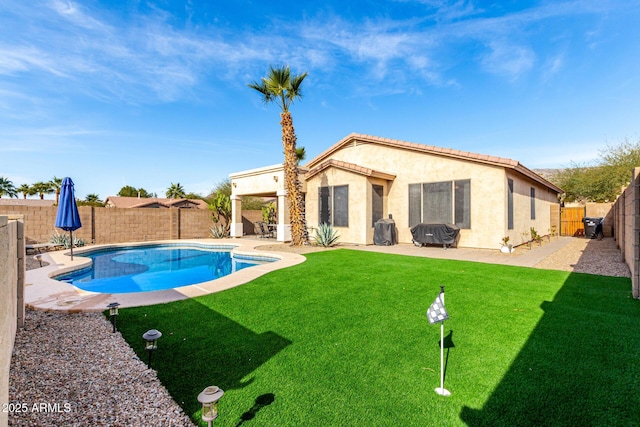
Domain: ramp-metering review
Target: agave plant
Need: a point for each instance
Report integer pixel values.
(60, 240)
(326, 236)
(218, 231)
(79, 242)
(63, 240)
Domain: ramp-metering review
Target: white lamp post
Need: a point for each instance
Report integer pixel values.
(209, 398)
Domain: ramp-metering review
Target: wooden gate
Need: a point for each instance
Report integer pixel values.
(571, 221)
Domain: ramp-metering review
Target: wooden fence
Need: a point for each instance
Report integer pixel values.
(571, 221)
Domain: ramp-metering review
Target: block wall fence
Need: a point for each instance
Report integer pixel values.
(113, 225)
(626, 214)
(117, 225)
(12, 271)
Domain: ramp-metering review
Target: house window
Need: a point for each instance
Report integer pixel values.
(334, 205)
(533, 203)
(463, 203)
(436, 202)
(415, 203)
(376, 203)
(440, 202)
(324, 205)
(341, 206)
(510, 204)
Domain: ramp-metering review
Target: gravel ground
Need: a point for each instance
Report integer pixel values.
(71, 370)
(77, 373)
(588, 256)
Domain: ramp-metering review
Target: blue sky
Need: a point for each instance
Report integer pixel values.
(149, 93)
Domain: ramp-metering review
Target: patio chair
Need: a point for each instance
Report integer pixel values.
(267, 230)
(262, 230)
(271, 230)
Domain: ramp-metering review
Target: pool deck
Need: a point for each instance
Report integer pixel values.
(44, 293)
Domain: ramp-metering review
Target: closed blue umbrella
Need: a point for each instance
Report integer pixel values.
(68, 217)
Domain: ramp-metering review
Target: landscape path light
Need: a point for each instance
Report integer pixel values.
(113, 313)
(151, 342)
(209, 398)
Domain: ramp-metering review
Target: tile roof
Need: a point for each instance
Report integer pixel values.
(355, 139)
(352, 167)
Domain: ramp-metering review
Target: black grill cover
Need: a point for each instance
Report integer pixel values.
(444, 234)
(384, 232)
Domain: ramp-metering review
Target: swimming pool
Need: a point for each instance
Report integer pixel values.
(156, 267)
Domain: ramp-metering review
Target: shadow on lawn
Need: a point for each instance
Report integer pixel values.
(578, 366)
(200, 347)
(447, 344)
(261, 401)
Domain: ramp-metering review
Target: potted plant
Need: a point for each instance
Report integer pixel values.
(506, 247)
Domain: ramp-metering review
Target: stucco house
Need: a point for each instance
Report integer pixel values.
(364, 178)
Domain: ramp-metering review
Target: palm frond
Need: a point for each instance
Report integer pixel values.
(267, 96)
(280, 86)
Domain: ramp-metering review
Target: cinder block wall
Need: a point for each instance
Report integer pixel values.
(11, 300)
(626, 219)
(601, 210)
(113, 225)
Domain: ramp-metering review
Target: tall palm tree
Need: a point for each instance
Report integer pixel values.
(26, 190)
(175, 191)
(281, 87)
(7, 187)
(56, 183)
(92, 198)
(42, 188)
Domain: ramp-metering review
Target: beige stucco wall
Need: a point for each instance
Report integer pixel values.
(266, 181)
(359, 206)
(522, 221)
(488, 194)
(11, 302)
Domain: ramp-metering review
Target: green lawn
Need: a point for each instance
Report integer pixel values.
(342, 340)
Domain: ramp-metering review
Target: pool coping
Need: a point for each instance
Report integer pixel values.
(44, 293)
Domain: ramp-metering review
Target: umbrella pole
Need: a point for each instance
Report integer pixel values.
(71, 242)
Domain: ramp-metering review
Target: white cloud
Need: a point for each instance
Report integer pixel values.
(553, 66)
(147, 60)
(508, 59)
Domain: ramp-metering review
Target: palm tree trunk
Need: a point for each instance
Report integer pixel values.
(293, 187)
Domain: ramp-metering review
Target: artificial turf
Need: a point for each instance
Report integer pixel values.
(342, 340)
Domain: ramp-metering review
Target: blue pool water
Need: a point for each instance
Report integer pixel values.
(153, 268)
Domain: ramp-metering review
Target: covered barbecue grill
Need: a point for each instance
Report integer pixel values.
(384, 232)
(438, 234)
